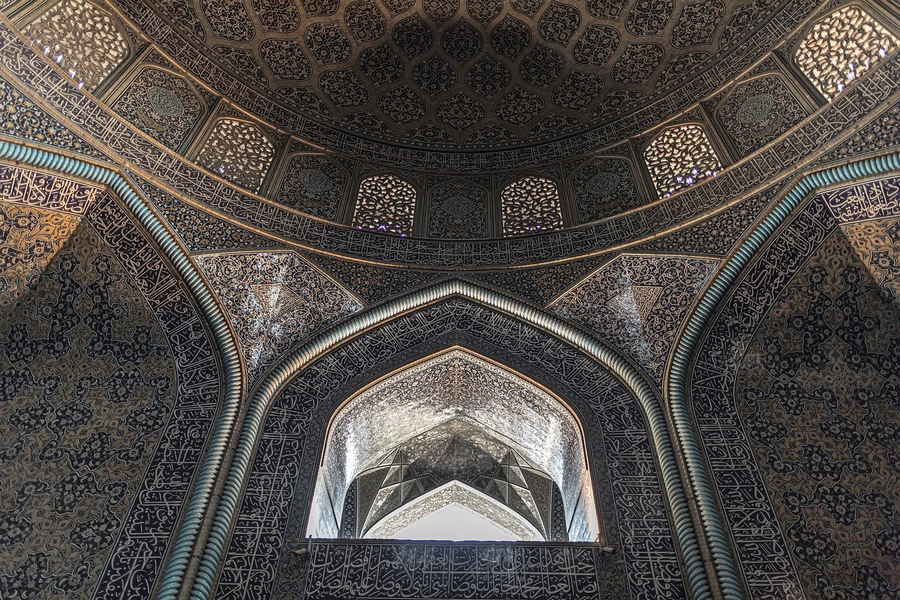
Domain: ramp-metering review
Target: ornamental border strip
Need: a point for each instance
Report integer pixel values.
(706, 309)
(831, 123)
(737, 58)
(189, 528)
(319, 346)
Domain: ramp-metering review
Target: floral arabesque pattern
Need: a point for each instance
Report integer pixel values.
(274, 300)
(603, 187)
(819, 394)
(758, 111)
(458, 210)
(160, 104)
(87, 383)
(313, 184)
(199, 230)
(638, 303)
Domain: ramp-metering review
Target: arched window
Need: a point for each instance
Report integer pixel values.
(530, 204)
(841, 47)
(679, 157)
(238, 151)
(385, 203)
(455, 437)
(80, 37)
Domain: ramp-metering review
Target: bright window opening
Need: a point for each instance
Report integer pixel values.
(454, 447)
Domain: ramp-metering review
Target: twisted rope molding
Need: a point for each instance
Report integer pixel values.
(225, 343)
(320, 345)
(687, 343)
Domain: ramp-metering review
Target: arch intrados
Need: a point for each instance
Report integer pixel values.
(566, 460)
(479, 356)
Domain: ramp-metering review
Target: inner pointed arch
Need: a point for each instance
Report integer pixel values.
(473, 515)
(457, 389)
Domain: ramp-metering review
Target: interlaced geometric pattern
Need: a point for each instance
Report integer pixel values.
(385, 203)
(81, 38)
(239, 152)
(530, 204)
(841, 47)
(679, 157)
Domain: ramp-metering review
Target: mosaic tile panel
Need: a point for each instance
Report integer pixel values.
(638, 303)
(314, 185)
(23, 118)
(162, 105)
(718, 234)
(877, 245)
(372, 284)
(458, 210)
(274, 300)
(272, 519)
(89, 382)
(200, 231)
(139, 549)
(604, 187)
(819, 395)
(758, 111)
(787, 554)
(882, 134)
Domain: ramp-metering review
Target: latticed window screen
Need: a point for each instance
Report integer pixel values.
(841, 47)
(238, 151)
(529, 205)
(81, 38)
(679, 157)
(385, 203)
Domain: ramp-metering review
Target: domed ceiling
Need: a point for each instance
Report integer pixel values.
(465, 74)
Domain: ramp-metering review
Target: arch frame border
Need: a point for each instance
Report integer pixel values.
(303, 355)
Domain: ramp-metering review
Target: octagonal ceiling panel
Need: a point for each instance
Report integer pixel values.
(464, 73)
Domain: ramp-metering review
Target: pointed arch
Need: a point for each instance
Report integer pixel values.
(170, 575)
(449, 494)
(471, 394)
(410, 314)
(695, 336)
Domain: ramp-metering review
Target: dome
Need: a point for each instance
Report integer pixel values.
(400, 81)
